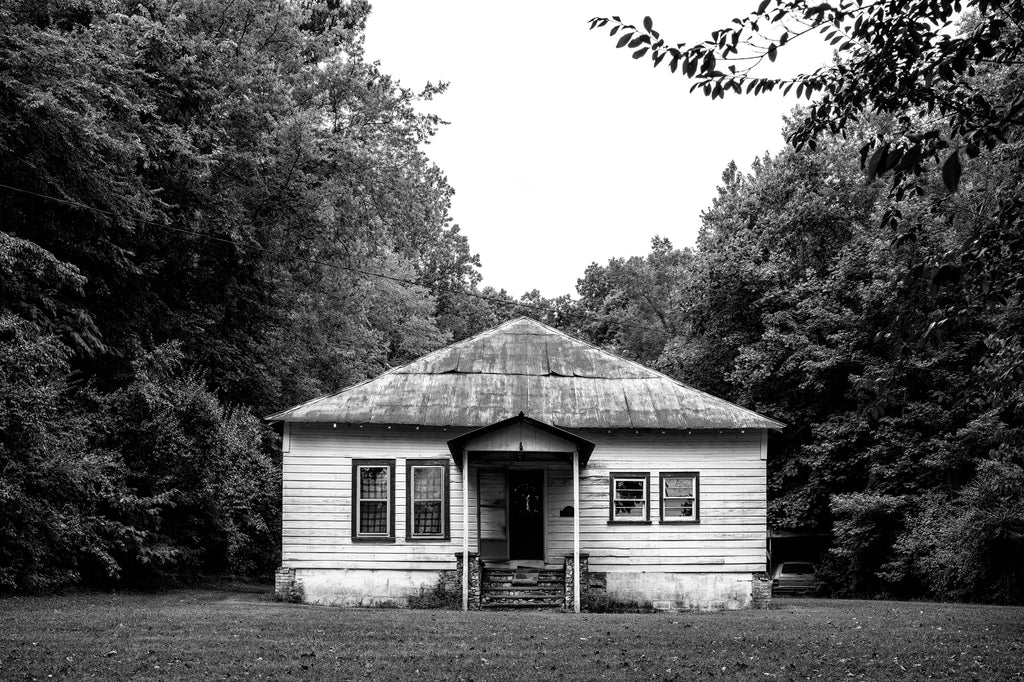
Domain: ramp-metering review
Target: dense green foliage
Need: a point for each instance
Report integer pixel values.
(883, 324)
(210, 210)
(907, 448)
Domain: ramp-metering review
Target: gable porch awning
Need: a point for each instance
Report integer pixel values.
(477, 440)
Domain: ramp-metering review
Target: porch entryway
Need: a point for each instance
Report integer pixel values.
(525, 514)
(510, 513)
(525, 476)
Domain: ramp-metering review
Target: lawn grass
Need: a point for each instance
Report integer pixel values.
(213, 634)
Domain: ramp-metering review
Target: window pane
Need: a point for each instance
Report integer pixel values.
(426, 518)
(373, 483)
(629, 509)
(373, 518)
(629, 490)
(428, 483)
(677, 508)
(679, 486)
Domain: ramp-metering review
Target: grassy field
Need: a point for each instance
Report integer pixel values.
(210, 634)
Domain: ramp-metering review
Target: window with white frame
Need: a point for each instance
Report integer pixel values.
(373, 500)
(426, 500)
(630, 498)
(680, 491)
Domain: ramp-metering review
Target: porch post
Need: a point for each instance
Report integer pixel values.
(576, 529)
(465, 530)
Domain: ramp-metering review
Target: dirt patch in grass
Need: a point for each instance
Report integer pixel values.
(217, 634)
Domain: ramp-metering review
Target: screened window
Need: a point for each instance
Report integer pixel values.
(679, 492)
(630, 497)
(373, 500)
(427, 499)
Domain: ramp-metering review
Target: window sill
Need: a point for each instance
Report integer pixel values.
(429, 539)
(621, 522)
(680, 522)
(377, 540)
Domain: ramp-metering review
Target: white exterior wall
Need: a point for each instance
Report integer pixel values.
(713, 558)
(731, 534)
(316, 521)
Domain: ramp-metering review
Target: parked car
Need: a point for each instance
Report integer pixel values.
(794, 577)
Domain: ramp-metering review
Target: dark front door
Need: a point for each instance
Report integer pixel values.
(526, 514)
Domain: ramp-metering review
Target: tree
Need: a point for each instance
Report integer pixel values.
(54, 487)
(634, 301)
(905, 60)
(885, 327)
(199, 489)
(210, 209)
(212, 164)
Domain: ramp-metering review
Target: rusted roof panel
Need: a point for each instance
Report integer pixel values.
(641, 406)
(525, 366)
(434, 363)
(559, 352)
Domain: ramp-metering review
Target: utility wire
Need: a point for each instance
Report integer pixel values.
(330, 264)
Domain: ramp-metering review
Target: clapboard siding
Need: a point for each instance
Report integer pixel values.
(730, 537)
(316, 523)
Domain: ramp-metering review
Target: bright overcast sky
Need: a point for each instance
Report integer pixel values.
(561, 149)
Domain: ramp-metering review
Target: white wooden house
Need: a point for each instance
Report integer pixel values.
(503, 462)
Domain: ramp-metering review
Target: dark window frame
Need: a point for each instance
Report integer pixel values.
(695, 475)
(356, 463)
(618, 475)
(446, 531)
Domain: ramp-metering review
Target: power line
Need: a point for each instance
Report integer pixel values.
(330, 264)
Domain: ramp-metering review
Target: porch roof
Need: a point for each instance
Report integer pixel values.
(583, 446)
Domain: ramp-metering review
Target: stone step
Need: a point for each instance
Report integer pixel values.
(559, 588)
(508, 577)
(510, 581)
(501, 590)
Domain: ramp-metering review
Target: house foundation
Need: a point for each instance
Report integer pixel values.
(685, 591)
